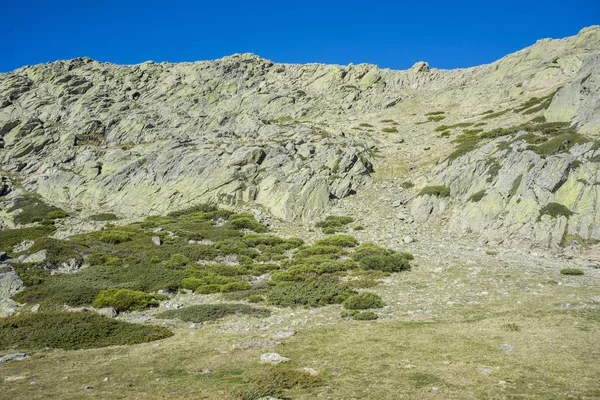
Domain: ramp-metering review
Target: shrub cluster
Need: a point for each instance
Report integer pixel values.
(363, 301)
(72, 330)
(126, 299)
(439, 191)
(333, 224)
(212, 312)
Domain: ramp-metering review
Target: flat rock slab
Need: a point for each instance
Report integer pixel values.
(283, 335)
(272, 358)
(256, 345)
(14, 357)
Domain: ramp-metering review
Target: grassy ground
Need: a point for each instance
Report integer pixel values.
(456, 353)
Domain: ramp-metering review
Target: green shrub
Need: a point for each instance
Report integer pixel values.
(191, 283)
(12, 237)
(212, 312)
(235, 287)
(114, 236)
(126, 299)
(246, 221)
(439, 191)
(318, 250)
(255, 298)
(391, 129)
(365, 316)
(386, 263)
(72, 330)
(33, 210)
(208, 289)
(274, 382)
(571, 271)
(334, 223)
(476, 197)
(313, 294)
(177, 261)
(555, 210)
(204, 208)
(348, 313)
(103, 217)
(254, 240)
(57, 214)
(338, 241)
(359, 228)
(511, 327)
(363, 301)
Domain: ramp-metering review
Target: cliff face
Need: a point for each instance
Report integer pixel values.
(148, 138)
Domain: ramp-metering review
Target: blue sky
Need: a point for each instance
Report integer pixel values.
(392, 34)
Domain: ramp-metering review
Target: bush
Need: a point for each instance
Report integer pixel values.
(363, 301)
(177, 261)
(477, 196)
(365, 316)
(392, 129)
(571, 271)
(407, 185)
(72, 330)
(348, 313)
(115, 236)
(191, 283)
(208, 289)
(33, 210)
(339, 241)
(333, 224)
(313, 294)
(246, 221)
(57, 214)
(439, 191)
(12, 237)
(318, 250)
(103, 217)
(274, 381)
(235, 287)
(126, 299)
(255, 298)
(212, 312)
(387, 263)
(555, 210)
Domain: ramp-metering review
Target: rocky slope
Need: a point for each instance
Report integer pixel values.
(136, 140)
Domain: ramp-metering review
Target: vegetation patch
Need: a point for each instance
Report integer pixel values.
(126, 299)
(339, 241)
(103, 217)
(34, 210)
(275, 381)
(571, 271)
(476, 197)
(312, 294)
(438, 191)
(334, 224)
(365, 316)
(72, 330)
(212, 312)
(555, 210)
(391, 129)
(12, 237)
(363, 301)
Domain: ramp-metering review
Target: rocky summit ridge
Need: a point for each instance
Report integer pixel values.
(508, 150)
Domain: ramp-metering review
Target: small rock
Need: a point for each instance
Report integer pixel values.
(283, 335)
(434, 388)
(3, 256)
(446, 362)
(311, 371)
(195, 325)
(258, 345)
(502, 383)
(408, 239)
(109, 312)
(36, 257)
(14, 357)
(14, 378)
(507, 348)
(486, 371)
(35, 308)
(89, 387)
(272, 358)
(159, 229)
(105, 380)
(157, 240)
(32, 383)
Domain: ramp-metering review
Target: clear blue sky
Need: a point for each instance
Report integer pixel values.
(392, 34)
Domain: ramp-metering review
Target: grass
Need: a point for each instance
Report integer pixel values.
(34, 210)
(12, 237)
(212, 312)
(438, 191)
(72, 330)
